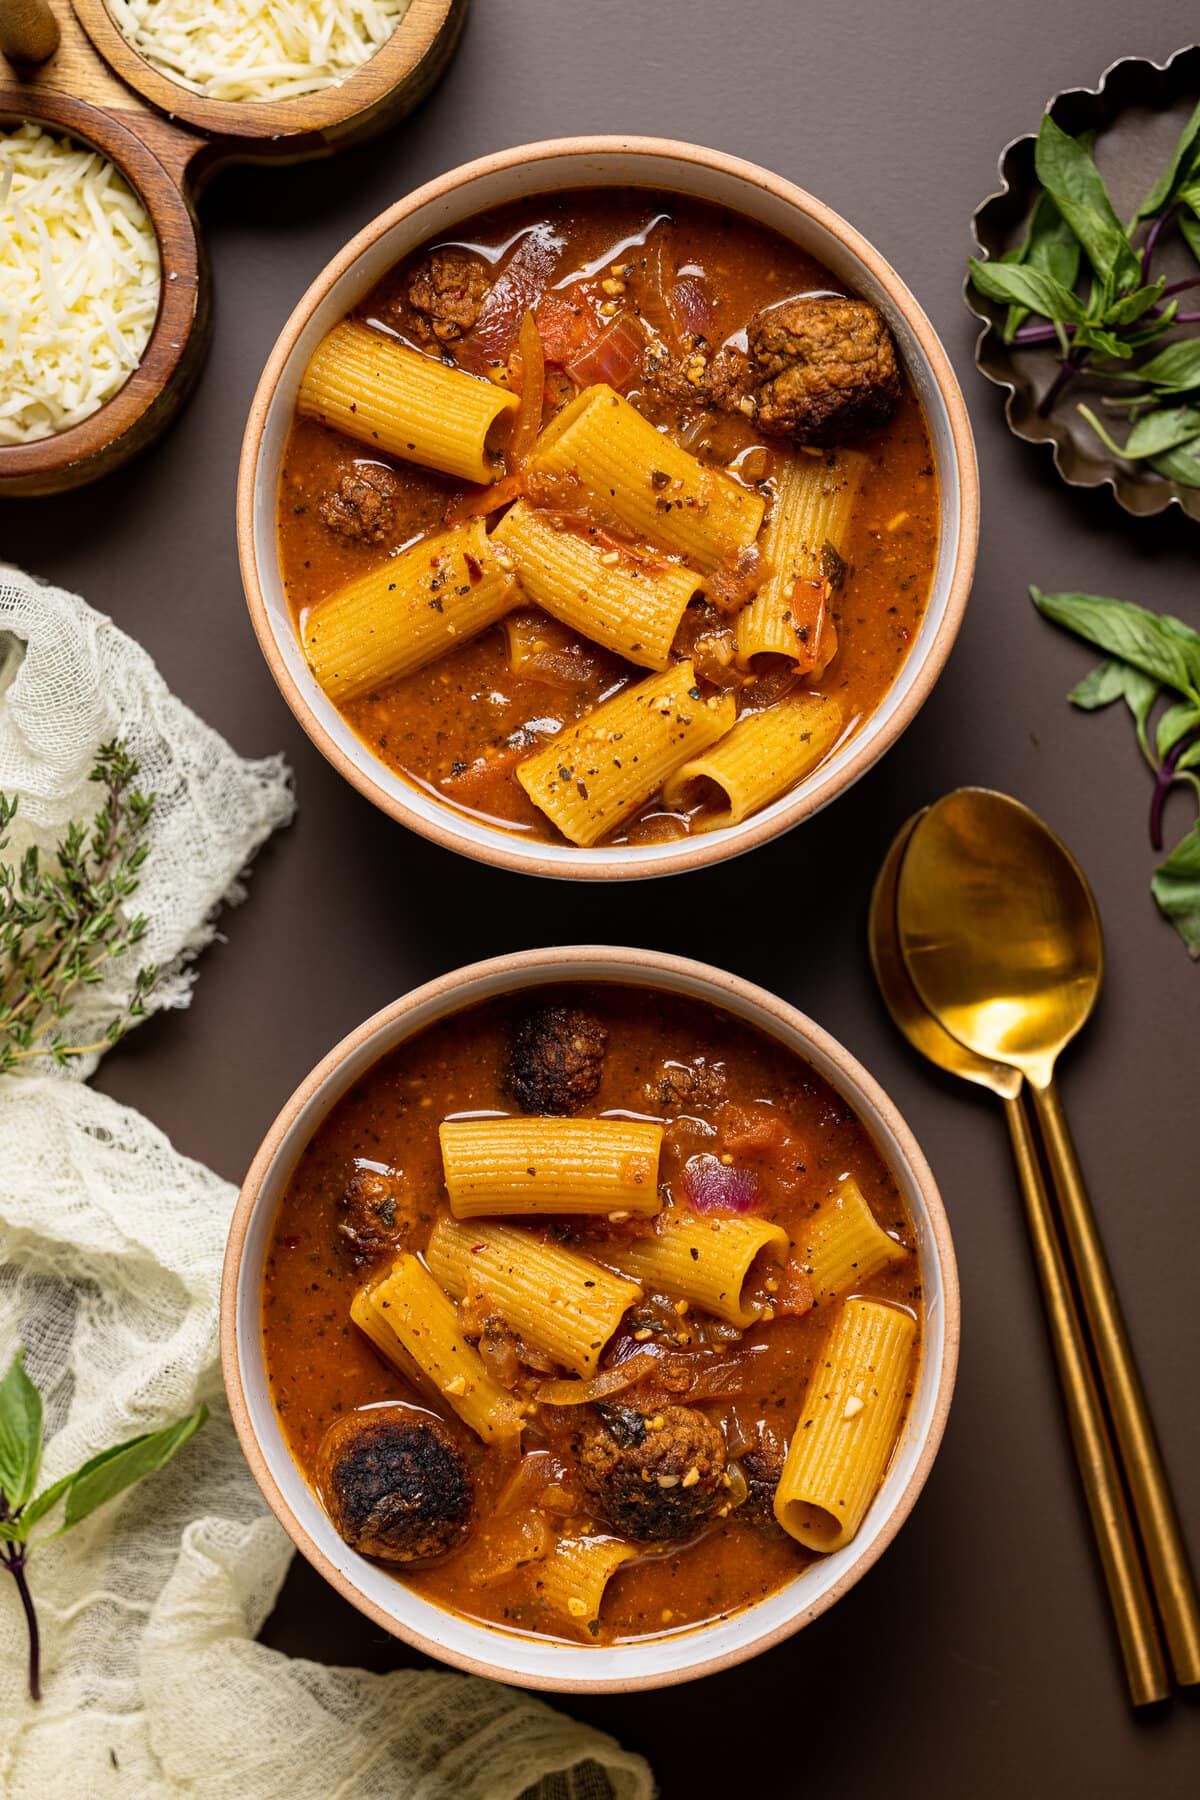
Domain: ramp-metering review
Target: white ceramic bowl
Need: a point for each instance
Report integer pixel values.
(512, 1656)
(597, 162)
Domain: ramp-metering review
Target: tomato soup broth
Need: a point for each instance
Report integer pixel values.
(459, 727)
(721, 1090)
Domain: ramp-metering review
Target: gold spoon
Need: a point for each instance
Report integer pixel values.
(1129, 1597)
(1000, 933)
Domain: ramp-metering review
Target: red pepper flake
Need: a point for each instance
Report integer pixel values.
(474, 572)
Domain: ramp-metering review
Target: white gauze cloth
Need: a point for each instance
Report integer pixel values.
(110, 1262)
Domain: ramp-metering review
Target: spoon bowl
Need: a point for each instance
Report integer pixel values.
(901, 998)
(999, 930)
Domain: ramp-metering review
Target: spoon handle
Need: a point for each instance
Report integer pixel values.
(1112, 1526)
(1149, 1489)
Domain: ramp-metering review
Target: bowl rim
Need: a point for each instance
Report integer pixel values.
(545, 966)
(443, 828)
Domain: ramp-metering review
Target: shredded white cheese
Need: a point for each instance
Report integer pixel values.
(257, 49)
(79, 283)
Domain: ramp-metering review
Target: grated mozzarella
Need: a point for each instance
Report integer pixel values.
(79, 283)
(257, 49)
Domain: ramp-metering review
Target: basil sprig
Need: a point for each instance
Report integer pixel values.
(1151, 657)
(97, 1481)
(1078, 280)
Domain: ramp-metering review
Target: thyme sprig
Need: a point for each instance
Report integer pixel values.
(64, 918)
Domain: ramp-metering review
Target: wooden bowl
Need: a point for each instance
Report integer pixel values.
(168, 143)
(512, 1656)
(579, 163)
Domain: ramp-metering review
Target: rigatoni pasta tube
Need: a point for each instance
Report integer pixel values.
(557, 1300)
(847, 1428)
(414, 406)
(706, 1261)
(658, 491)
(627, 604)
(765, 754)
(411, 1322)
(814, 498)
(505, 1166)
(844, 1244)
(409, 611)
(598, 772)
(572, 1579)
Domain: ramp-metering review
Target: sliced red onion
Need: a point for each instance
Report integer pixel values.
(612, 357)
(692, 305)
(516, 291)
(710, 1186)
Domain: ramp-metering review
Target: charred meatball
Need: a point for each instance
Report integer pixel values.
(821, 370)
(555, 1060)
(395, 1484)
(652, 1476)
(371, 1221)
(447, 294)
(363, 504)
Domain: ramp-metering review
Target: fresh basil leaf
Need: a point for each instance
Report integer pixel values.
(20, 1433)
(1140, 695)
(1190, 230)
(1105, 343)
(1165, 189)
(113, 1471)
(1105, 684)
(1159, 431)
(1181, 464)
(1175, 885)
(1190, 758)
(1175, 723)
(1067, 172)
(37, 1509)
(1130, 307)
(1049, 245)
(1129, 632)
(1146, 334)
(1031, 288)
(1178, 366)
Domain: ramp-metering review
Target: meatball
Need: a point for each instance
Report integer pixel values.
(363, 504)
(395, 1484)
(447, 294)
(693, 1086)
(696, 379)
(555, 1060)
(762, 1466)
(821, 369)
(371, 1223)
(652, 1476)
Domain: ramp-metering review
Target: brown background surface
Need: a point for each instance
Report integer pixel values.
(977, 1658)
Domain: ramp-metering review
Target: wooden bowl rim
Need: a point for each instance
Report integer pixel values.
(443, 829)
(626, 965)
(301, 114)
(177, 300)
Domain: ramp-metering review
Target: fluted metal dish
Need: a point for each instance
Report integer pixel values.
(1137, 110)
